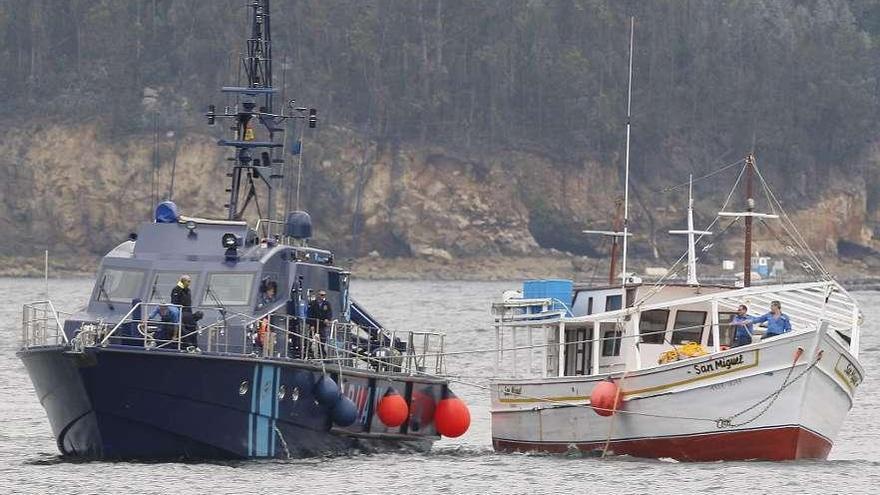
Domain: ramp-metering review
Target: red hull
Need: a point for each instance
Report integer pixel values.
(772, 444)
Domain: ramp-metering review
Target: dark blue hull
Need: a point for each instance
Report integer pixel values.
(130, 403)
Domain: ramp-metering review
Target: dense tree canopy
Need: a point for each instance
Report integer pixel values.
(795, 79)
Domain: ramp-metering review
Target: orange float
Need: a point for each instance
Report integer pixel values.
(392, 409)
(451, 418)
(605, 398)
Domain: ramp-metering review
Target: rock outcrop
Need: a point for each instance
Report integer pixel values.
(77, 190)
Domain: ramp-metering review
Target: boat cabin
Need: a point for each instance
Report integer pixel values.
(231, 267)
(610, 329)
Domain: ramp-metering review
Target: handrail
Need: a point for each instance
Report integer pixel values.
(808, 305)
(35, 323)
(342, 342)
(740, 294)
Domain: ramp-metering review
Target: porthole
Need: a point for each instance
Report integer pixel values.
(282, 391)
(243, 388)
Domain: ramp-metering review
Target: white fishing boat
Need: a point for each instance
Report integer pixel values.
(651, 370)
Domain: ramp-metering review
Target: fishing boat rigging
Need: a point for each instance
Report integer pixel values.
(655, 370)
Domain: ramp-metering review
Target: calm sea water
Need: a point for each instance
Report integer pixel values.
(29, 461)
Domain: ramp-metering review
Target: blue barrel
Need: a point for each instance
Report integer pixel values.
(559, 290)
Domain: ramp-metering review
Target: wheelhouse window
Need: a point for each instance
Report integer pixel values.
(688, 326)
(612, 303)
(228, 289)
(725, 329)
(162, 285)
(611, 337)
(119, 285)
(652, 326)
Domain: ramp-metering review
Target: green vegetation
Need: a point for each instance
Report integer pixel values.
(795, 80)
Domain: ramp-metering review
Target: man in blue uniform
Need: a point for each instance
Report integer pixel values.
(742, 327)
(167, 318)
(778, 323)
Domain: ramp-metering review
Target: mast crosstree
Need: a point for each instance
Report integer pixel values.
(255, 125)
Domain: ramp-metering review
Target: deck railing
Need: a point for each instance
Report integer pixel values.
(269, 335)
(41, 324)
(808, 305)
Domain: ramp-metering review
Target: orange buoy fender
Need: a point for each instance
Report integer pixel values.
(392, 409)
(605, 398)
(451, 418)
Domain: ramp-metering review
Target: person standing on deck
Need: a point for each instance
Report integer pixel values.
(181, 296)
(742, 328)
(320, 314)
(778, 322)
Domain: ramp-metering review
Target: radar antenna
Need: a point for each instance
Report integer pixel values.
(255, 125)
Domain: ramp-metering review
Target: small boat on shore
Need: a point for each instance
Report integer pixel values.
(220, 339)
(663, 370)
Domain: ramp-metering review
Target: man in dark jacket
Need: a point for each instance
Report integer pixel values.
(320, 314)
(181, 296)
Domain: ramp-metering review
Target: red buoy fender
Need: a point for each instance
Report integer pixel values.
(605, 398)
(451, 418)
(422, 406)
(392, 409)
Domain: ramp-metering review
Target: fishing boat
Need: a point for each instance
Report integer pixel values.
(654, 369)
(223, 339)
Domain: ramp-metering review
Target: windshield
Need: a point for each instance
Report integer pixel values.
(228, 289)
(119, 285)
(162, 285)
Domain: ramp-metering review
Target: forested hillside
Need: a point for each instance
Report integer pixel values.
(794, 80)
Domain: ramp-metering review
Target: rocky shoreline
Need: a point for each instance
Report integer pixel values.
(854, 275)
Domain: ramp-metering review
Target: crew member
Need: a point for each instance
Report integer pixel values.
(320, 314)
(265, 333)
(268, 290)
(742, 328)
(167, 318)
(181, 296)
(778, 322)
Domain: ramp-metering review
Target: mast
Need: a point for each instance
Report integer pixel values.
(612, 272)
(749, 214)
(750, 207)
(632, 27)
(690, 232)
(616, 232)
(257, 154)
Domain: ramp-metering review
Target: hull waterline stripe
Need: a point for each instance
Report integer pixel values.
(782, 442)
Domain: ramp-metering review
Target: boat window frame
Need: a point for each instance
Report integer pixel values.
(654, 336)
(577, 351)
(613, 297)
(106, 296)
(725, 329)
(207, 301)
(612, 338)
(194, 275)
(690, 328)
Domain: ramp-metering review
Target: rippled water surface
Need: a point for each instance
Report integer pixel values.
(29, 461)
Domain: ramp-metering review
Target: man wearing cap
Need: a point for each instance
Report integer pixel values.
(320, 314)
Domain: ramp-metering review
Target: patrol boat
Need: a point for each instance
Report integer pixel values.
(655, 370)
(240, 368)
